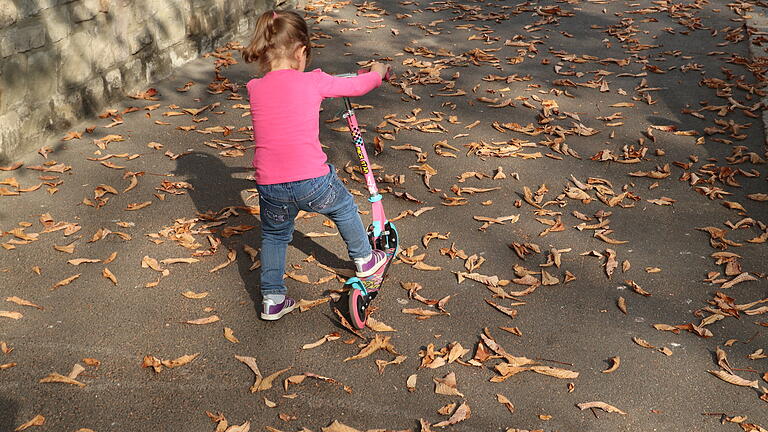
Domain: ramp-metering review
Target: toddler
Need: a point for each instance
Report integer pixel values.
(291, 171)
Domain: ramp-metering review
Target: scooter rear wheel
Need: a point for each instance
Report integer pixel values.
(358, 305)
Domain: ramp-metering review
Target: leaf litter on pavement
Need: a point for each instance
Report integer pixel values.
(575, 225)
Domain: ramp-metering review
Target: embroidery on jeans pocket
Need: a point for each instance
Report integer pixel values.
(275, 213)
(325, 200)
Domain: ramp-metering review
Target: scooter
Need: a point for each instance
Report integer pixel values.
(382, 233)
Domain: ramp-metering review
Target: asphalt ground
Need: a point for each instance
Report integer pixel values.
(575, 326)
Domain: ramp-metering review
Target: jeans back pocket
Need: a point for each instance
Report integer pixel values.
(325, 198)
(271, 211)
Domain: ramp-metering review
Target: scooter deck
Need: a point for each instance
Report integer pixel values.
(373, 282)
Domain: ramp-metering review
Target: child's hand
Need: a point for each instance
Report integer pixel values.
(382, 69)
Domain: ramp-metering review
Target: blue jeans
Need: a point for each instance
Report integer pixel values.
(281, 202)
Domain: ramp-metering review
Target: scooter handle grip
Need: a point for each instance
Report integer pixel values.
(386, 76)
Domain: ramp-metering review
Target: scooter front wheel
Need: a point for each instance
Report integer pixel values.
(358, 305)
(387, 239)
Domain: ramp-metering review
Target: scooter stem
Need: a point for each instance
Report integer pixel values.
(378, 216)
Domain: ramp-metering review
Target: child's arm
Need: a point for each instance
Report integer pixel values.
(331, 86)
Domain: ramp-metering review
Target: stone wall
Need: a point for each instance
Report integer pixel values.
(61, 60)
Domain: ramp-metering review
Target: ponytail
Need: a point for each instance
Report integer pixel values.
(277, 34)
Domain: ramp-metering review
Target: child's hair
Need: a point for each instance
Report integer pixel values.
(277, 35)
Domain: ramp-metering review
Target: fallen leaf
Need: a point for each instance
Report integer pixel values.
(447, 385)
(622, 304)
(555, 372)
(377, 343)
(410, 383)
(378, 326)
(22, 302)
(643, 343)
(602, 405)
(78, 261)
(193, 295)
(337, 426)
(109, 275)
(329, 337)
(251, 363)
(181, 361)
(206, 320)
(229, 335)
(37, 420)
(11, 315)
(381, 364)
(231, 257)
(504, 401)
(734, 379)
(64, 282)
(58, 378)
(266, 383)
(616, 362)
(462, 413)
(138, 206)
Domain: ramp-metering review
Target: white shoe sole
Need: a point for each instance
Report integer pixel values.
(277, 316)
(371, 271)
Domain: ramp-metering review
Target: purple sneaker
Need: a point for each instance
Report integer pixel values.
(378, 260)
(271, 311)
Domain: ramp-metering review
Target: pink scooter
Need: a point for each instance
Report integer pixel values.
(381, 233)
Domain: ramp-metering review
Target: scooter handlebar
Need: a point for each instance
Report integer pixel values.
(386, 76)
(362, 71)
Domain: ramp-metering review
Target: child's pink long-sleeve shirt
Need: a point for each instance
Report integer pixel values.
(285, 110)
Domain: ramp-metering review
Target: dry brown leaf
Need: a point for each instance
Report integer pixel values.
(138, 206)
(643, 343)
(377, 343)
(423, 313)
(251, 363)
(420, 265)
(193, 295)
(305, 305)
(447, 385)
(329, 337)
(504, 401)
(743, 277)
(462, 413)
(54, 377)
(337, 426)
(636, 288)
(64, 282)
(555, 372)
(616, 362)
(181, 361)
(381, 364)
(410, 383)
(206, 320)
(231, 257)
(602, 405)
(229, 335)
(70, 248)
(179, 261)
(378, 326)
(22, 302)
(622, 304)
(78, 261)
(37, 420)
(503, 309)
(266, 383)
(734, 379)
(109, 275)
(11, 315)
